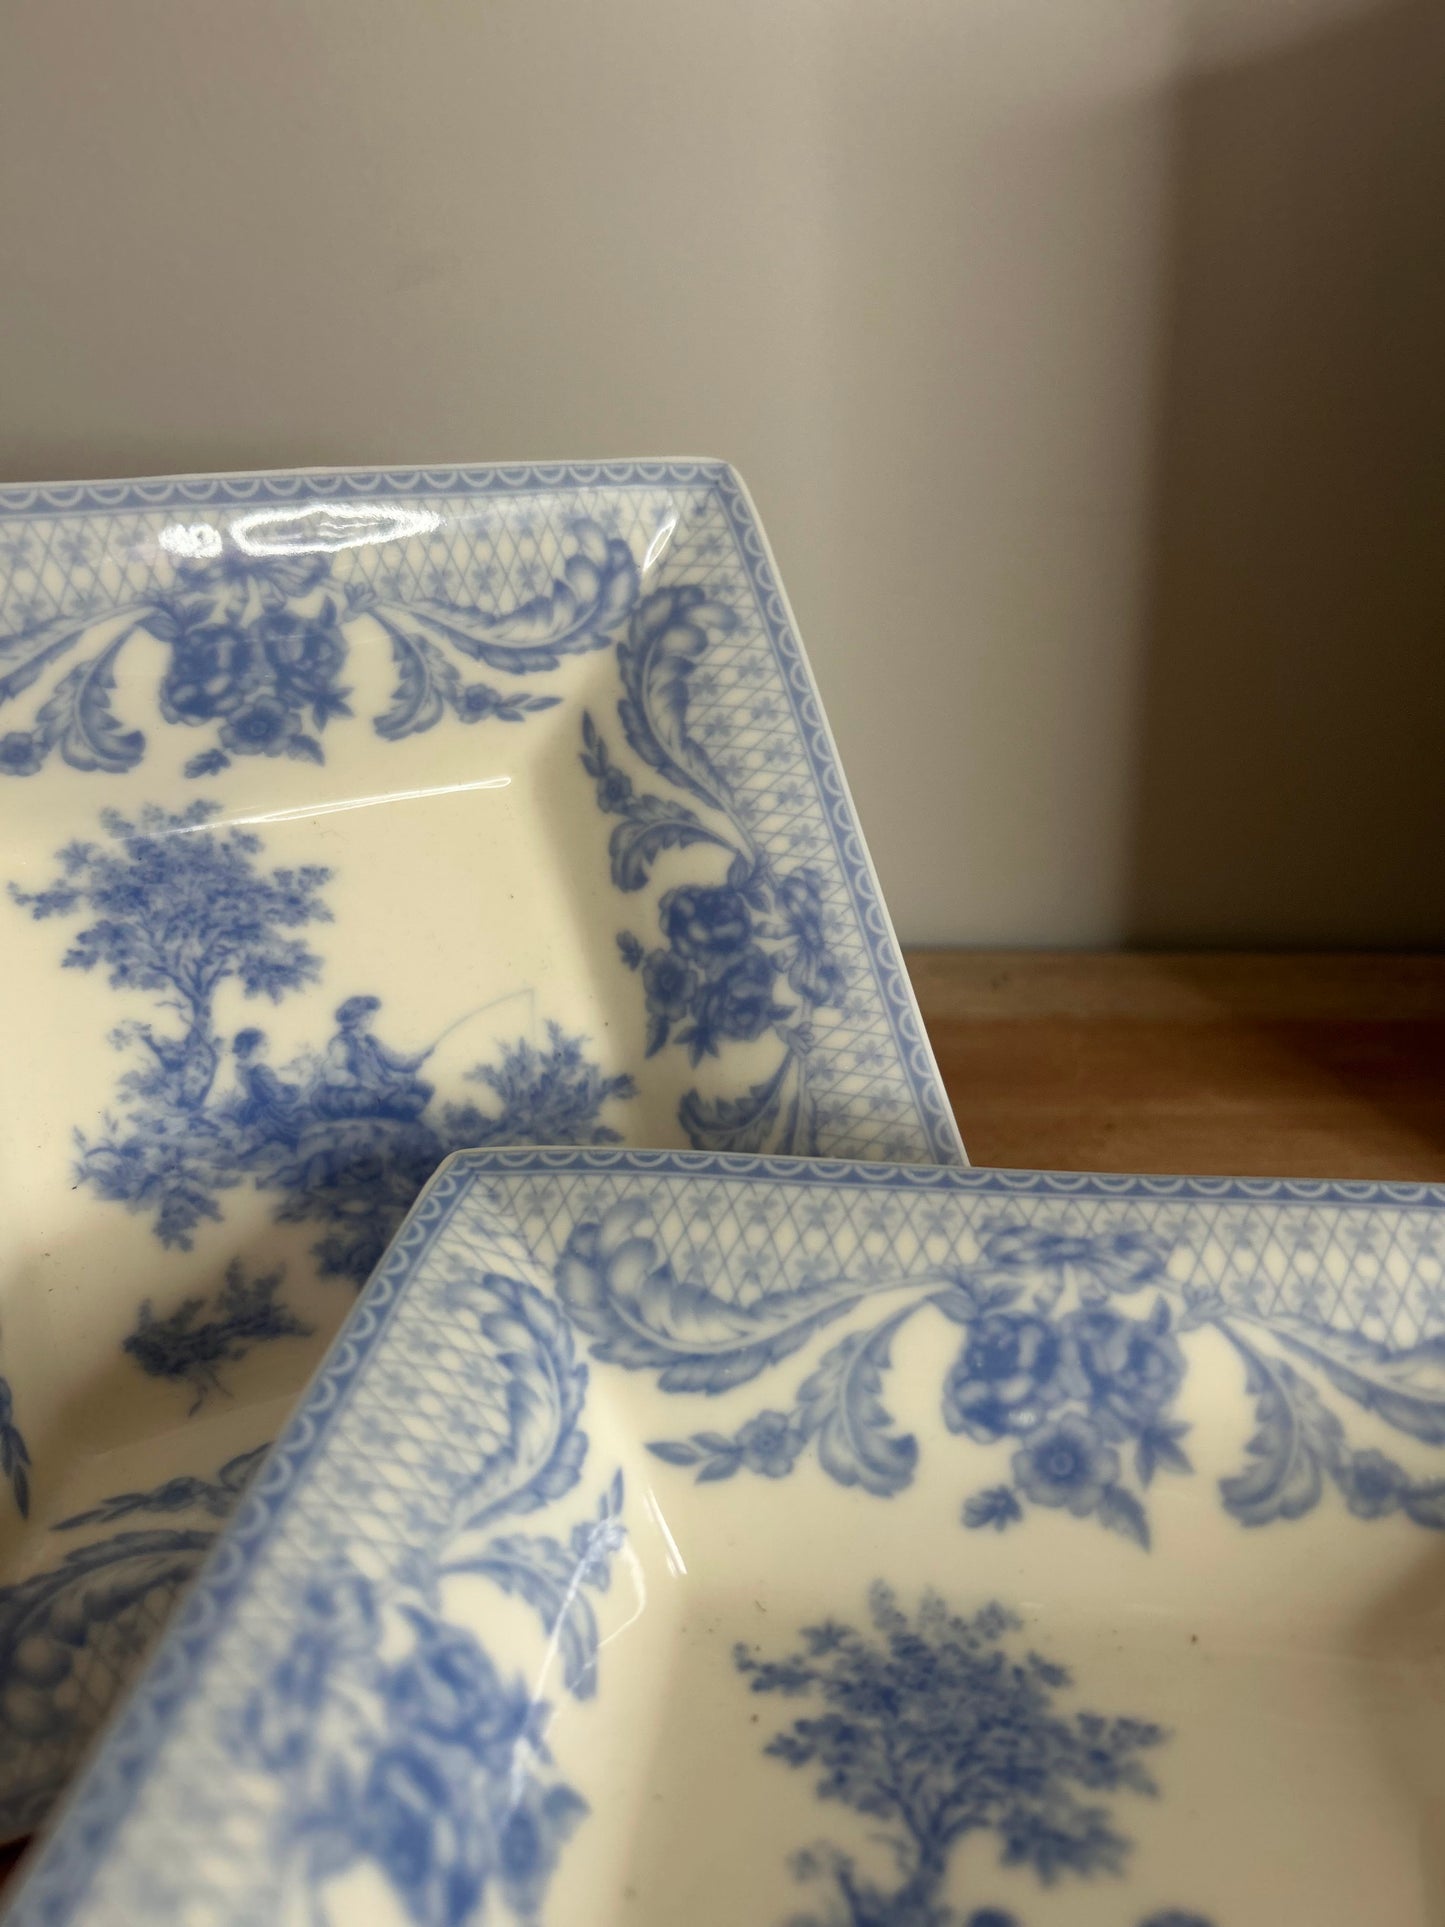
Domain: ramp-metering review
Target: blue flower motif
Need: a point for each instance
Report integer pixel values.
(737, 1003)
(307, 655)
(770, 1444)
(1066, 1463)
(21, 753)
(448, 1688)
(212, 670)
(432, 1847)
(1005, 1379)
(744, 936)
(1373, 1485)
(670, 984)
(708, 925)
(1127, 1369)
(538, 1826)
(813, 972)
(264, 727)
(248, 628)
(614, 790)
(278, 1718)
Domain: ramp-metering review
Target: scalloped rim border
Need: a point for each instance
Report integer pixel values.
(285, 484)
(910, 1177)
(935, 1114)
(87, 1818)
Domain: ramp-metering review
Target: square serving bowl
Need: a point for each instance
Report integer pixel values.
(675, 1536)
(355, 817)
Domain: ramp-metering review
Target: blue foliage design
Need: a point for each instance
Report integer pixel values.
(739, 960)
(87, 1617)
(935, 1728)
(14, 1457)
(347, 1135)
(399, 1741)
(184, 1493)
(258, 644)
(193, 1342)
(1051, 1369)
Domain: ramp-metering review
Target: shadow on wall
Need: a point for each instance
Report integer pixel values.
(1291, 774)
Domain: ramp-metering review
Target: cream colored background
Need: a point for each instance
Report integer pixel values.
(1084, 358)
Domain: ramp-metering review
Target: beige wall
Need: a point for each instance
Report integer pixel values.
(1084, 356)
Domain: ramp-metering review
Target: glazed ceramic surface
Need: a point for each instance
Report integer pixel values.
(354, 818)
(683, 1537)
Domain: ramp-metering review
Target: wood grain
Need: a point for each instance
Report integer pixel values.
(1286, 1066)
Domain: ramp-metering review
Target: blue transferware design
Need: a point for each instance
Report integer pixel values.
(213, 1497)
(66, 1632)
(432, 1766)
(1056, 1364)
(739, 960)
(936, 1727)
(393, 1735)
(346, 1136)
(455, 1403)
(375, 1731)
(193, 1342)
(434, 541)
(347, 1133)
(268, 578)
(256, 627)
(14, 1457)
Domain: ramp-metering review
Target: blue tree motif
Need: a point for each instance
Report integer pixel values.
(179, 907)
(193, 1342)
(739, 960)
(397, 1738)
(258, 640)
(1052, 1369)
(935, 1729)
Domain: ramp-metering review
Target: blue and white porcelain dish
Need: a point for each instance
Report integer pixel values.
(355, 817)
(675, 1536)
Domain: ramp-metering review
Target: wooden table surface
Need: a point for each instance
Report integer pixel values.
(1249, 1066)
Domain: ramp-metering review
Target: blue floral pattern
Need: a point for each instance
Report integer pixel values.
(1058, 1368)
(393, 1738)
(397, 1738)
(740, 960)
(441, 1443)
(229, 618)
(96, 1607)
(258, 631)
(935, 1726)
